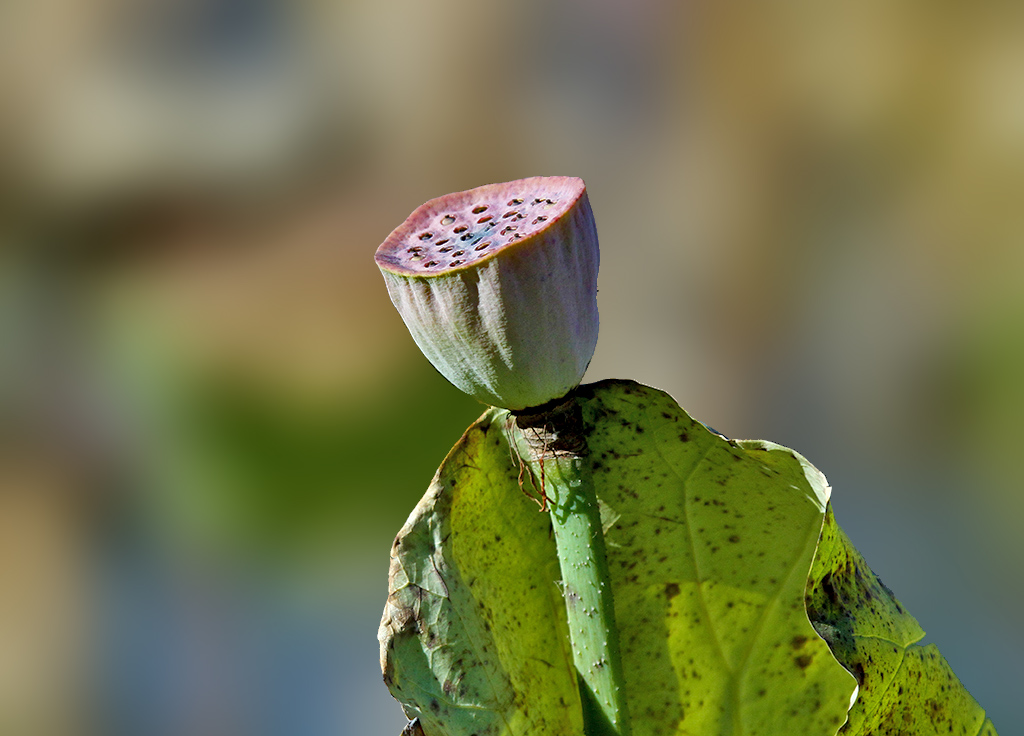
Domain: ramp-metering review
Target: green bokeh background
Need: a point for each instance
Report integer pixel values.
(212, 421)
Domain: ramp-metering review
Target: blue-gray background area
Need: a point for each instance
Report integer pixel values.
(213, 422)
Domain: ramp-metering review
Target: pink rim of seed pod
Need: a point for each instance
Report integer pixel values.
(498, 287)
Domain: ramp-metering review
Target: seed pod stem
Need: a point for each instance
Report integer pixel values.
(553, 446)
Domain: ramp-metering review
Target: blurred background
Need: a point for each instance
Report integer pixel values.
(213, 422)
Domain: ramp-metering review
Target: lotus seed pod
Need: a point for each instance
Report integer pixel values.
(498, 286)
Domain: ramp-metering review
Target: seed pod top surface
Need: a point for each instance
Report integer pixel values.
(462, 229)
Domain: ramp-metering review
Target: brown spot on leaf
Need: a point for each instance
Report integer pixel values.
(413, 728)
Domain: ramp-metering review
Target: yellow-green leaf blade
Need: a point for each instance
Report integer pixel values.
(709, 554)
(903, 687)
(473, 636)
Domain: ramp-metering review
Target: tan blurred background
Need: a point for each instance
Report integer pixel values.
(212, 421)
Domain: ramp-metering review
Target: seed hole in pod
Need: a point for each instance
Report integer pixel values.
(457, 262)
(550, 201)
(447, 220)
(459, 253)
(415, 249)
(491, 224)
(517, 236)
(538, 200)
(482, 245)
(479, 208)
(441, 242)
(428, 264)
(461, 229)
(509, 229)
(426, 236)
(538, 219)
(445, 249)
(417, 256)
(467, 236)
(515, 201)
(510, 213)
(485, 218)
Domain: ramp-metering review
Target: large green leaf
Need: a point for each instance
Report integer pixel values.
(709, 545)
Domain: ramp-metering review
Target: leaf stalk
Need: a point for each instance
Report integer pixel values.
(552, 444)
